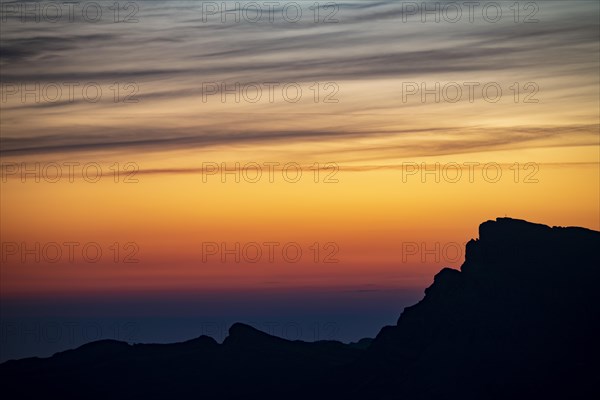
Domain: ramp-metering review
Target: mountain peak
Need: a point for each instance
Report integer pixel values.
(243, 334)
(518, 320)
(509, 226)
(240, 328)
(202, 340)
(508, 244)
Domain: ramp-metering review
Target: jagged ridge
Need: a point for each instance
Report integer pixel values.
(519, 320)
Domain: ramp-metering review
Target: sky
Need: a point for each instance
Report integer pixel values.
(170, 167)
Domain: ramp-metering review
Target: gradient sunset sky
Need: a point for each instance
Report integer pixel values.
(356, 119)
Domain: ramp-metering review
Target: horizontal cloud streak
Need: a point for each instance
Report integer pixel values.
(432, 141)
(173, 51)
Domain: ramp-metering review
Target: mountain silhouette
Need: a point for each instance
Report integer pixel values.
(520, 320)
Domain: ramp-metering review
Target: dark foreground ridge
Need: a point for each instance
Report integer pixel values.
(520, 320)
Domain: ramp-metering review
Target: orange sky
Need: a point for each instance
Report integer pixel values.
(369, 214)
(369, 221)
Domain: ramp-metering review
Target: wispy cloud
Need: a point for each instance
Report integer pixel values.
(172, 51)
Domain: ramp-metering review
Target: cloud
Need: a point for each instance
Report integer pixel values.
(172, 51)
(431, 141)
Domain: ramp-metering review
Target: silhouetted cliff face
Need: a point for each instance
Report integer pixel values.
(518, 248)
(520, 320)
(521, 317)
